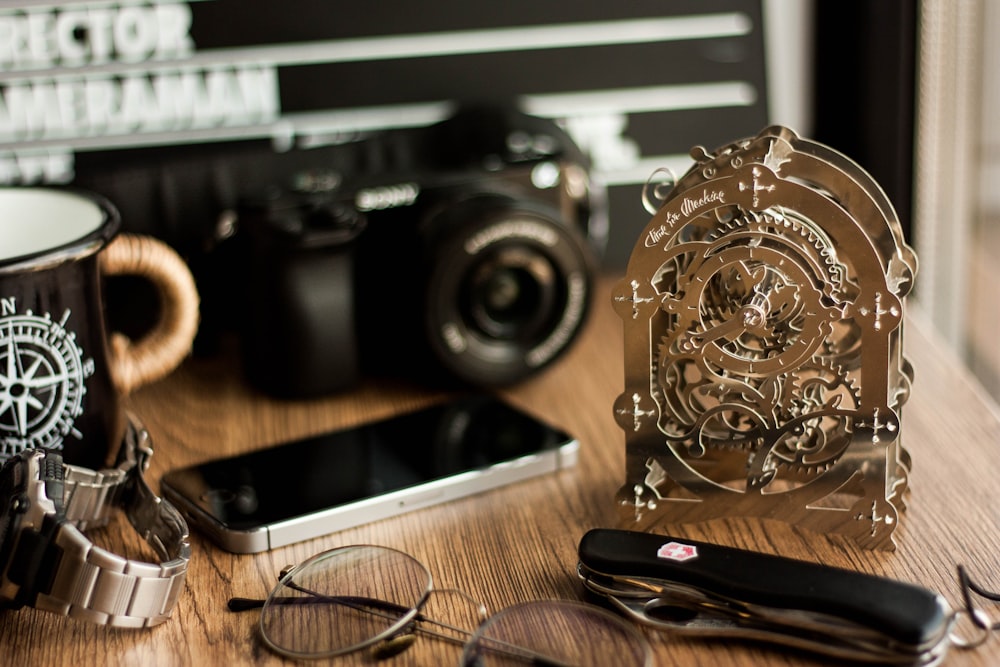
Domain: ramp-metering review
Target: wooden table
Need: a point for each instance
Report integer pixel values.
(519, 543)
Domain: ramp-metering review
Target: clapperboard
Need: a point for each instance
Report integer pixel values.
(89, 85)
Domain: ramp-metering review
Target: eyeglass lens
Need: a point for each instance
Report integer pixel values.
(554, 633)
(343, 600)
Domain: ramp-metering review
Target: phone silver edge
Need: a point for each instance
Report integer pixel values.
(331, 520)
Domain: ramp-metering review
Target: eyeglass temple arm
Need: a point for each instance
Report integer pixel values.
(238, 604)
(244, 604)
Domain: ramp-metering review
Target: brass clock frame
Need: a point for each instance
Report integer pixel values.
(764, 372)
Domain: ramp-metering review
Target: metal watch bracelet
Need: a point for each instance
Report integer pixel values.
(93, 584)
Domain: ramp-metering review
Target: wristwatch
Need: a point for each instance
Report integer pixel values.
(48, 563)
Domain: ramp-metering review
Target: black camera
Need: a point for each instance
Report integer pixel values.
(462, 249)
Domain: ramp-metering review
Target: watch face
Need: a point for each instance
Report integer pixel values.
(11, 489)
(25, 490)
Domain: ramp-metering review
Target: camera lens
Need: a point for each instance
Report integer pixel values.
(510, 294)
(508, 288)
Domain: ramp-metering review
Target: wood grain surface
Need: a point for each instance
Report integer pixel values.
(519, 543)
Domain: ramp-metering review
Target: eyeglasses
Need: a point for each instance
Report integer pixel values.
(372, 597)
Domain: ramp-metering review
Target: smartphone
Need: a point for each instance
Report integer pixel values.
(298, 490)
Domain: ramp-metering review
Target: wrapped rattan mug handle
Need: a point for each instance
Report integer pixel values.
(138, 362)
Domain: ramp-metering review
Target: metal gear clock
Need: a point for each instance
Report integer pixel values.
(764, 372)
(42, 373)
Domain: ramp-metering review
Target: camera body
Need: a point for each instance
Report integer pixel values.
(460, 250)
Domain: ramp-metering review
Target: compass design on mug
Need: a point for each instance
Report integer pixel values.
(42, 374)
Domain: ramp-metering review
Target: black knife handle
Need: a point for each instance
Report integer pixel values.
(906, 613)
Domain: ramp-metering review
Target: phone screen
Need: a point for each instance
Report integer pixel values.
(342, 468)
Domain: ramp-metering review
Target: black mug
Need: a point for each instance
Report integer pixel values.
(63, 377)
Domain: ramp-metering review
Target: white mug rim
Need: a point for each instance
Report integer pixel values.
(40, 223)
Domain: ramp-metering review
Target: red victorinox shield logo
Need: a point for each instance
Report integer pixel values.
(677, 552)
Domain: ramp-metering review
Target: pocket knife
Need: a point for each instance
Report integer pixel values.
(696, 588)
